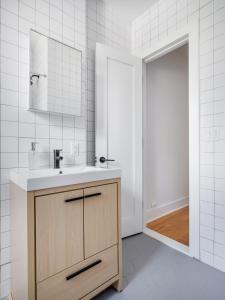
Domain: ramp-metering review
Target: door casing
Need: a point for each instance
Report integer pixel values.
(190, 35)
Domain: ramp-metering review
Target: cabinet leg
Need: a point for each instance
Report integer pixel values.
(118, 285)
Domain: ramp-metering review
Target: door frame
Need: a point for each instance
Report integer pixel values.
(189, 34)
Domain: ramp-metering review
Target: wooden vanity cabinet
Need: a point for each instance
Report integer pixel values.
(70, 241)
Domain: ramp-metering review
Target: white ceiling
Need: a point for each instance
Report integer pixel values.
(130, 9)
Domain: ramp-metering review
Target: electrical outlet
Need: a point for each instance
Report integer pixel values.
(153, 204)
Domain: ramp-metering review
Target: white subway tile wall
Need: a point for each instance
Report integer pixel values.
(165, 17)
(65, 21)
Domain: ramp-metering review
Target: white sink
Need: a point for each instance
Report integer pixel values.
(49, 178)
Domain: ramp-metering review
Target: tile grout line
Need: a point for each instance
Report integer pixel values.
(213, 80)
(18, 92)
(0, 145)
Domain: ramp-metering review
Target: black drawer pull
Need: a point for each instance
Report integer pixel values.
(92, 195)
(84, 269)
(74, 199)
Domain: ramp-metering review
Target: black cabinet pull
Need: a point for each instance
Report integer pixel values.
(92, 195)
(84, 269)
(74, 199)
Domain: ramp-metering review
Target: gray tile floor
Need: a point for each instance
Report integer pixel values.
(153, 271)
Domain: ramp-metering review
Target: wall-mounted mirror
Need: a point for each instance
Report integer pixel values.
(55, 76)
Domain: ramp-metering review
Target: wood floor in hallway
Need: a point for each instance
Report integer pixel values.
(174, 225)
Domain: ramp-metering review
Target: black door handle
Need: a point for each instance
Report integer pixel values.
(102, 159)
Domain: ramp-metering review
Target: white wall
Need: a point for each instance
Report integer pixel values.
(167, 16)
(66, 21)
(166, 163)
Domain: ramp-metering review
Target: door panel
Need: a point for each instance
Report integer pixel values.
(119, 127)
(100, 215)
(120, 142)
(59, 232)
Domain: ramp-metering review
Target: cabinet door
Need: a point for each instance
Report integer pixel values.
(100, 218)
(59, 232)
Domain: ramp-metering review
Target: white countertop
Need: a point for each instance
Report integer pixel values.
(48, 178)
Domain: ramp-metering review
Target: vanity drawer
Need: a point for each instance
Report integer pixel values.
(79, 280)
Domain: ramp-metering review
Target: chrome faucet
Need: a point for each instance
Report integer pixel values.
(57, 158)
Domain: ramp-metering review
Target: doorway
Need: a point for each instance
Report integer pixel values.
(167, 139)
(171, 142)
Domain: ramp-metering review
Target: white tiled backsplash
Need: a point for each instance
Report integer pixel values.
(165, 17)
(67, 21)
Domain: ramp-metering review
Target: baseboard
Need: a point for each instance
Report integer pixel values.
(160, 211)
(167, 241)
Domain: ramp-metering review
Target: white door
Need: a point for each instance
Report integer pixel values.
(119, 127)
